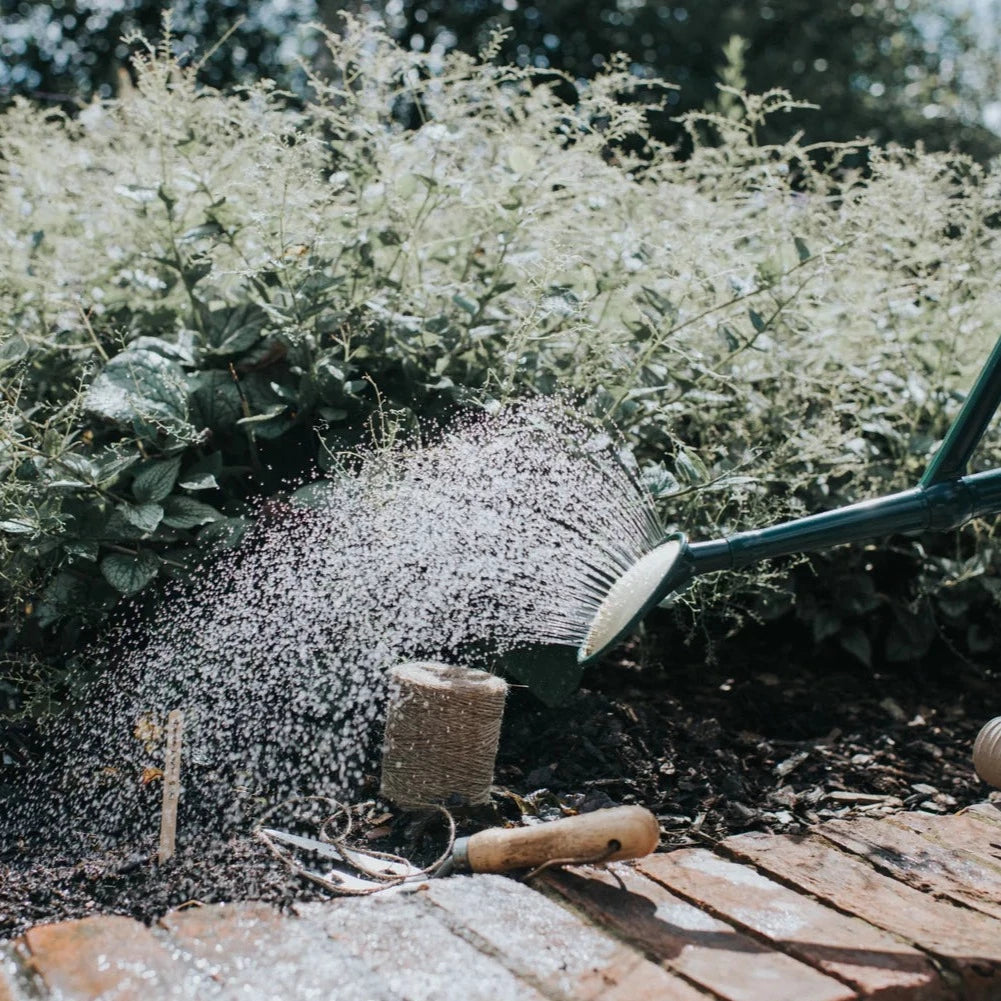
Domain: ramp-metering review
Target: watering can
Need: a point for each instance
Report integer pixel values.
(945, 498)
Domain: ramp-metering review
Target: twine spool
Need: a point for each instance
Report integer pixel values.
(987, 753)
(442, 728)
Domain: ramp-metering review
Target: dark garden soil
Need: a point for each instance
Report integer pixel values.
(767, 739)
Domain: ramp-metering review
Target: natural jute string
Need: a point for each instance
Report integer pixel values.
(442, 728)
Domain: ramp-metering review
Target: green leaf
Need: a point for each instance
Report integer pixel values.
(80, 466)
(552, 673)
(130, 574)
(63, 596)
(802, 250)
(467, 304)
(690, 467)
(111, 465)
(138, 385)
(145, 517)
(757, 320)
(186, 512)
(825, 623)
(855, 641)
(17, 527)
(269, 414)
(659, 481)
(206, 230)
(82, 550)
(318, 495)
(182, 351)
(214, 400)
(199, 481)
(155, 481)
(225, 533)
(231, 330)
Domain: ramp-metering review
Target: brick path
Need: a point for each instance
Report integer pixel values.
(904, 907)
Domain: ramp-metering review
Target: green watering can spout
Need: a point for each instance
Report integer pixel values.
(944, 500)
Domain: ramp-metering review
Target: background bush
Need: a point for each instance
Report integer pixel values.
(203, 294)
(905, 71)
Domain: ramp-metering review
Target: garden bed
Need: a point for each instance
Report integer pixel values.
(770, 739)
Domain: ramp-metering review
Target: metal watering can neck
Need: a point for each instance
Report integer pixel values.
(944, 499)
(939, 507)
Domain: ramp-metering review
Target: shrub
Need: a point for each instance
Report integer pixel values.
(204, 293)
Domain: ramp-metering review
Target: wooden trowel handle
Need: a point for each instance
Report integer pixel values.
(621, 832)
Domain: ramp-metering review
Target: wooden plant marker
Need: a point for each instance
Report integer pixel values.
(171, 784)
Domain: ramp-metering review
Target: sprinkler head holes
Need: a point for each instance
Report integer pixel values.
(987, 752)
(643, 585)
(442, 730)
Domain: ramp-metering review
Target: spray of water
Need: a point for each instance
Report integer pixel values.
(508, 530)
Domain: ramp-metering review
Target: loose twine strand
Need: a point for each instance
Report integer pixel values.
(349, 854)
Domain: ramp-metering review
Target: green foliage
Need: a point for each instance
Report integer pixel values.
(905, 72)
(72, 50)
(204, 294)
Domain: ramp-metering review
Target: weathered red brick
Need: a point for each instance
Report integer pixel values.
(920, 862)
(691, 942)
(874, 962)
(987, 812)
(545, 944)
(414, 952)
(113, 957)
(250, 947)
(967, 942)
(6, 987)
(965, 833)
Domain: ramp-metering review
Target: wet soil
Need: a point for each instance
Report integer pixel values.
(769, 737)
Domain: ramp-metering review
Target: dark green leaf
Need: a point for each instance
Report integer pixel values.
(225, 533)
(825, 623)
(82, 550)
(854, 640)
(156, 480)
(186, 512)
(318, 495)
(130, 574)
(467, 304)
(63, 596)
(690, 468)
(12, 527)
(139, 385)
(757, 321)
(207, 229)
(199, 481)
(802, 250)
(230, 330)
(145, 517)
(79, 466)
(214, 401)
(112, 464)
(274, 411)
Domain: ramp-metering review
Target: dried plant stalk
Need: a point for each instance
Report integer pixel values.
(171, 785)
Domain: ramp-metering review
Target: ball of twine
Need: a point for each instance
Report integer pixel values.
(987, 753)
(442, 728)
